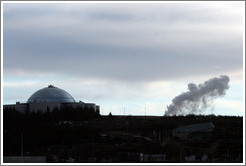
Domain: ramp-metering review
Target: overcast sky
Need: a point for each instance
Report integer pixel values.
(136, 56)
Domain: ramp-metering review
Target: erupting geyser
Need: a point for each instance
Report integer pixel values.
(199, 97)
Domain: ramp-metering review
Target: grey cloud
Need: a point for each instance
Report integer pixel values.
(132, 45)
(109, 62)
(109, 16)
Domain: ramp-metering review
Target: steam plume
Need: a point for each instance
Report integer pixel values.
(198, 97)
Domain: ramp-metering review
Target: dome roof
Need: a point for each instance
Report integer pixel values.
(51, 94)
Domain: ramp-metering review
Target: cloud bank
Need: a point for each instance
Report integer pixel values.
(148, 42)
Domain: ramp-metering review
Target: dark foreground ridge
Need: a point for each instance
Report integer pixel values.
(72, 136)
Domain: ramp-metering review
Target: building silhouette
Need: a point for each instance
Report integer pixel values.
(50, 98)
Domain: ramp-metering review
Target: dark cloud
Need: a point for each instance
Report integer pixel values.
(142, 44)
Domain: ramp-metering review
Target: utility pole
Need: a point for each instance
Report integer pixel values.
(21, 144)
(127, 125)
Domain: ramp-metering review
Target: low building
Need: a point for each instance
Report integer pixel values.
(152, 158)
(194, 133)
(49, 98)
(24, 159)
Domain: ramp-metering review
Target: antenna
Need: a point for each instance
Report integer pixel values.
(145, 111)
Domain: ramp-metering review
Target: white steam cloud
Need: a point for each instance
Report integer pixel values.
(199, 97)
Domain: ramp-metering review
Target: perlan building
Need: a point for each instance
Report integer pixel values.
(49, 98)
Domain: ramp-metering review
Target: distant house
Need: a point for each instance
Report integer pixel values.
(194, 133)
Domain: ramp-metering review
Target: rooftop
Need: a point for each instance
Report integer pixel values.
(205, 127)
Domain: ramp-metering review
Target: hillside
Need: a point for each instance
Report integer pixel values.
(121, 138)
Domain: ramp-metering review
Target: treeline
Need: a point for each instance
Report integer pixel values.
(48, 133)
(38, 131)
(64, 113)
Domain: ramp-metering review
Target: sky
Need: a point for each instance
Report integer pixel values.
(129, 58)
